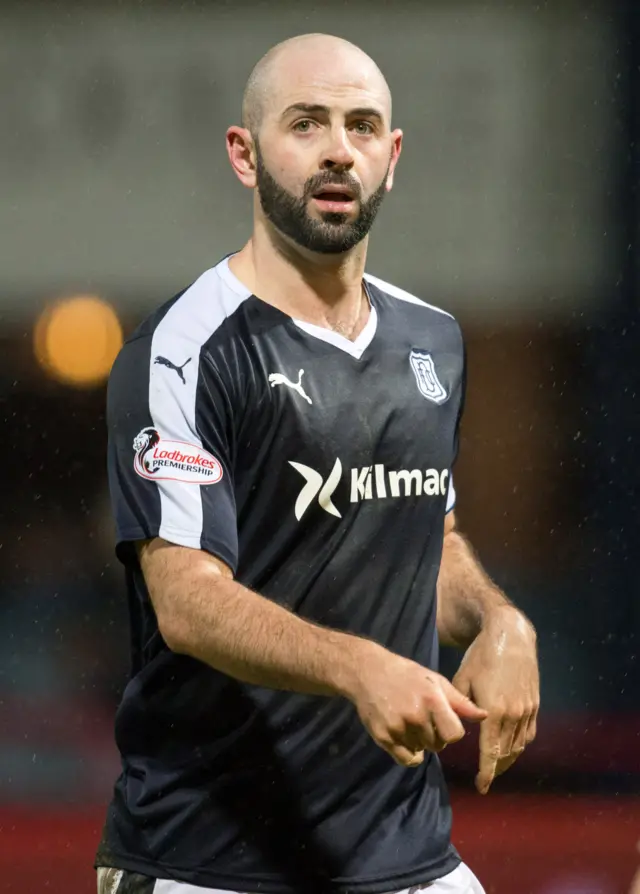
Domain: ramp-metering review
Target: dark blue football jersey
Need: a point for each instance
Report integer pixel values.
(319, 470)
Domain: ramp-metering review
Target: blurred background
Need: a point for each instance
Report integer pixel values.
(516, 207)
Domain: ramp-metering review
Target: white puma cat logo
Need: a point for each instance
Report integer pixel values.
(279, 379)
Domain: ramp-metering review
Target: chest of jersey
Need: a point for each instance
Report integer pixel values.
(328, 426)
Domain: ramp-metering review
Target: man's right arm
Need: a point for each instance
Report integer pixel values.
(204, 613)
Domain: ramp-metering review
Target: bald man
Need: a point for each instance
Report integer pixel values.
(281, 440)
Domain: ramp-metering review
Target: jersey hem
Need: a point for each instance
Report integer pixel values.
(375, 885)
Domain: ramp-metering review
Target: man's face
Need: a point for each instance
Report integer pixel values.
(325, 156)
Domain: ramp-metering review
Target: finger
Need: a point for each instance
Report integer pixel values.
(404, 756)
(507, 735)
(462, 684)
(435, 742)
(416, 738)
(439, 743)
(504, 763)
(508, 759)
(520, 738)
(424, 737)
(447, 725)
(489, 752)
(532, 728)
(416, 759)
(462, 705)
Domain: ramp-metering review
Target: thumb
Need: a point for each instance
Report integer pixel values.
(462, 705)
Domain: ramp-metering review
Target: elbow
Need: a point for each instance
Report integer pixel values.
(175, 634)
(182, 585)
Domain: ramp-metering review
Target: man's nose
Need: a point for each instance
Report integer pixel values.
(338, 152)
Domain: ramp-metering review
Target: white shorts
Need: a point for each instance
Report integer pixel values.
(460, 881)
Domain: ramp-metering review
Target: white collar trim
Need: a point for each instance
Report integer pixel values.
(354, 348)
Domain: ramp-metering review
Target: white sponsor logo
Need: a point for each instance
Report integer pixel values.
(280, 379)
(427, 379)
(367, 483)
(316, 487)
(160, 459)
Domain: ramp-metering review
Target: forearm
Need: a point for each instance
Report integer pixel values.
(468, 600)
(234, 630)
(258, 641)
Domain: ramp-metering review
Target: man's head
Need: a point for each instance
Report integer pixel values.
(316, 141)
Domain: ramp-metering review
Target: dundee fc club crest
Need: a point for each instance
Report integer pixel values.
(427, 379)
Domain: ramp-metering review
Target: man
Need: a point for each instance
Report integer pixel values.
(281, 436)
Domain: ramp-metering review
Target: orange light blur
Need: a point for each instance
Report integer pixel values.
(77, 339)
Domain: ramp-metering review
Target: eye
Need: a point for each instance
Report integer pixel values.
(303, 126)
(364, 128)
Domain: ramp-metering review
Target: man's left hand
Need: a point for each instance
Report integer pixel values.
(499, 672)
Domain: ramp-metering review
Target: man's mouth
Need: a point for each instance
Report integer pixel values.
(334, 199)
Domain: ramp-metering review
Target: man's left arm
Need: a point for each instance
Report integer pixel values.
(499, 670)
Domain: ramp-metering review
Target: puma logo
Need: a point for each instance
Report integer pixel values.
(162, 361)
(279, 379)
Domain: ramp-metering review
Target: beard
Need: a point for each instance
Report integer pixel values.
(335, 233)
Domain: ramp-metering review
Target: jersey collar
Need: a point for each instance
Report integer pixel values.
(354, 348)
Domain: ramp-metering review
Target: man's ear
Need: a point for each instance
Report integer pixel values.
(396, 148)
(241, 151)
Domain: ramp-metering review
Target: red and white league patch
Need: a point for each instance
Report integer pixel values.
(160, 459)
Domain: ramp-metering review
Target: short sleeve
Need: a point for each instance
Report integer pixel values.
(164, 480)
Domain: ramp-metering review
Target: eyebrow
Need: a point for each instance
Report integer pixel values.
(317, 109)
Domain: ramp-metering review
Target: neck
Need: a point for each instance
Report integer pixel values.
(322, 289)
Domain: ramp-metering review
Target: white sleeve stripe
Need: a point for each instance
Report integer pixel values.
(451, 495)
(395, 292)
(179, 337)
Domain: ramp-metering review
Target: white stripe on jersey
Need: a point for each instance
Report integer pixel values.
(451, 495)
(395, 292)
(180, 335)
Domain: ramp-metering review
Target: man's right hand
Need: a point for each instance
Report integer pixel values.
(408, 709)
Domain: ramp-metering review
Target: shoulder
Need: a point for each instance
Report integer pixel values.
(175, 333)
(190, 318)
(403, 298)
(196, 312)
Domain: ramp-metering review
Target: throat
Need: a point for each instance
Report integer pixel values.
(351, 329)
(347, 330)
